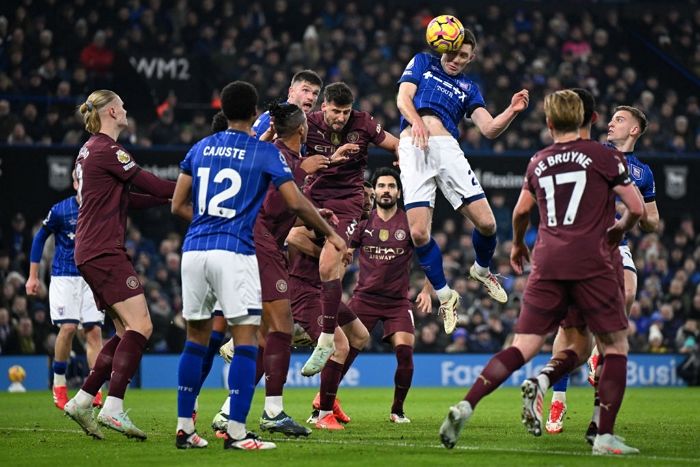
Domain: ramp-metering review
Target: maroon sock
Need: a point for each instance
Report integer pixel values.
(260, 365)
(126, 361)
(403, 376)
(330, 381)
(500, 367)
(561, 364)
(611, 389)
(103, 367)
(349, 360)
(331, 292)
(278, 351)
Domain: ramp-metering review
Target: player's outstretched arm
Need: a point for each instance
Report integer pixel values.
(181, 205)
(152, 185)
(491, 127)
(629, 195)
(404, 102)
(302, 207)
(33, 282)
(521, 217)
(650, 219)
(143, 201)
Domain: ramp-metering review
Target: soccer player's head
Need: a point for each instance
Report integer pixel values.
(564, 111)
(305, 89)
(368, 200)
(387, 187)
(238, 101)
(103, 108)
(219, 122)
(337, 105)
(455, 62)
(590, 116)
(626, 123)
(289, 120)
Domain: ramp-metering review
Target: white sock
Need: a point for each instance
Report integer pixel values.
(236, 430)
(596, 415)
(559, 396)
(323, 413)
(225, 407)
(325, 339)
(185, 424)
(83, 399)
(196, 405)
(273, 406)
(444, 293)
(543, 381)
(480, 270)
(59, 380)
(113, 405)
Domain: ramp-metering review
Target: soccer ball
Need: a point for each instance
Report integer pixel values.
(16, 374)
(444, 34)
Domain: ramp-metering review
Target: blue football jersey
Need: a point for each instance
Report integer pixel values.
(450, 98)
(642, 176)
(262, 124)
(231, 172)
(61, 221)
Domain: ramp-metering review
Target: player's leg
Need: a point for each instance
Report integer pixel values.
(65, 313)
(216, 338)
(93, 344)
(557, 408)
(64, 342)
(403, 343)
(330, 381)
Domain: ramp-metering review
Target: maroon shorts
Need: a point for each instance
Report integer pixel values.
(574, 317)
(112, 279)
(348, 211)
(396, 316)
(596, 302)
(274, 269)
(306, 307)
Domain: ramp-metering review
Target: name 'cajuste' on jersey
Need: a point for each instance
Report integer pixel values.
(450, 98)
(61, 221)
(230, 173)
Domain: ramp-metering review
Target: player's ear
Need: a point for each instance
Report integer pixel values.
(594, 117)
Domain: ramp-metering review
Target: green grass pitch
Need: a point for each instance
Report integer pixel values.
(663, 423)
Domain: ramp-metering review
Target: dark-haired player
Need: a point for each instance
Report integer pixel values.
(342, 134)
(434, 96)
(227, 175)
(575, 269)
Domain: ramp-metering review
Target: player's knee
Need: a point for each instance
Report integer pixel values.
(404, 356)
(359, 338)
(486, 227)
(68, 329)
(419, 235)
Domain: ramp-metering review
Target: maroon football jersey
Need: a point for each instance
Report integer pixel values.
(103, 169)
(386, 254)
(305, 267)
(573, 185)
(274, 214)
(342, 180)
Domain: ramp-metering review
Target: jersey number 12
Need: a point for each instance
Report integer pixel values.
(215, 205)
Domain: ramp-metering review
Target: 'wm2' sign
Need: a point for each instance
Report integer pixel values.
(161, 68)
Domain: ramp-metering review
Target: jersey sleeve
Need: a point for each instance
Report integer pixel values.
(52, 221)
(414, 69)
(475, 101)
(186, 164)
(276, 166)
(119, 164)
(648, 188)
(374, 130)
(356, 238)
(615, 169)
(262, 124)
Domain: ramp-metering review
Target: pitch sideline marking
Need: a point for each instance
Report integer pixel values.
(397, 445)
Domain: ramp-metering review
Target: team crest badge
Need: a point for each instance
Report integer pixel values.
(636, 172)
(353, 137)
(281, 286)
(132, 282)
(123, 156)
(383, 235)
(335, 139)
(400, 235)
(61, 310)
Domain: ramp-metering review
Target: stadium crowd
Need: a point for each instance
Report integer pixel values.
(618, 55)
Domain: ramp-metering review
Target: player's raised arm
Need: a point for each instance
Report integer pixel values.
(404, 102)
(492, 127)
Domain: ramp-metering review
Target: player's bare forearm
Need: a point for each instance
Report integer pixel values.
(301, 239)
(650, 219)
(181, 205)
(302, 207)
(492, 127)
(521, 215)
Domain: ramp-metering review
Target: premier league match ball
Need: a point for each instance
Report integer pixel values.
(16, 374)
(444, 34)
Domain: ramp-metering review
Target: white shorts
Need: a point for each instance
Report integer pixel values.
(444, 166)
(627, 259)
(231, 278)
(71, 301)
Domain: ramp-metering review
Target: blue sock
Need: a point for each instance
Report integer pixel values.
(214, 344)
(59, 367)
(241, 381)
(430, 259)
(562, 384)
(188, 375)
(483, 247)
